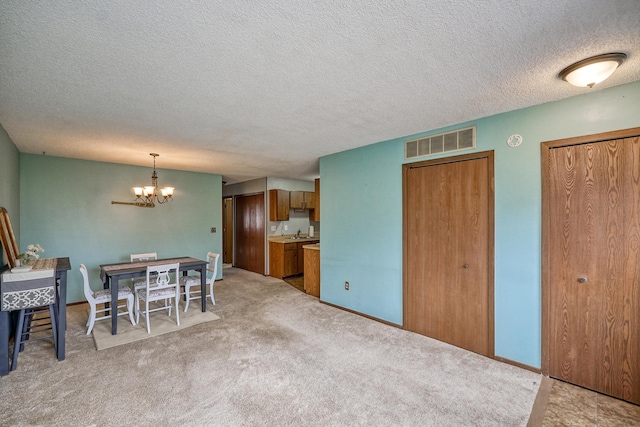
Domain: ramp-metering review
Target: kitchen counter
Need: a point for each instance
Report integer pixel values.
(292, 239)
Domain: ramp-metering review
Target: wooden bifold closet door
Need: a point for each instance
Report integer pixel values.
(448, 250)
(249, 232)
(591, 265)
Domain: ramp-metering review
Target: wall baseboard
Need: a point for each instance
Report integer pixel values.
(518, 364)
(395, 325)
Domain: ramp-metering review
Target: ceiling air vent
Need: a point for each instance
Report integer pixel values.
(462, 139)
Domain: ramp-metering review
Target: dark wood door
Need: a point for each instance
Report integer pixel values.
(227, 233)
(593, 265)
(250, 233)
(448, 250)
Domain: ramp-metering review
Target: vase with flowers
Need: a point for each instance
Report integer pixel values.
(31, 254)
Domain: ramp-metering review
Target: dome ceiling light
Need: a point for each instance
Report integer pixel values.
(591, 71)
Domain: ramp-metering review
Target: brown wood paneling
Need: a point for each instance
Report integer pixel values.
(448, 250)
(591, 263)
(250, 233)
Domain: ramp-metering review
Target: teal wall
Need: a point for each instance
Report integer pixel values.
(361, 211)
(10, 182)
(65, 206)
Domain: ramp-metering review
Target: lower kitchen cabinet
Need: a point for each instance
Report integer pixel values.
(287, 258)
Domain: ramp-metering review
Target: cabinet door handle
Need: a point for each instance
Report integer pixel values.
(466, 266)
(582, 280)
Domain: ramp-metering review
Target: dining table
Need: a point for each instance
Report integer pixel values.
(60, 266)
(111, 274)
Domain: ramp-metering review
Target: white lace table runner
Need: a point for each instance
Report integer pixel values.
(33, 288)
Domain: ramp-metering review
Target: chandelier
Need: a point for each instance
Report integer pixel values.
(148, 196)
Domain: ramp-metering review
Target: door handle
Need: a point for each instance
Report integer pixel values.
(582, 279)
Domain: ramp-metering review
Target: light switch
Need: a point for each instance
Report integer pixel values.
(213, 229)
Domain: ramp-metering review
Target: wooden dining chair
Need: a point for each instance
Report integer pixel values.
(164, 287)
(103, 296)
(138, 283)
(193, 281)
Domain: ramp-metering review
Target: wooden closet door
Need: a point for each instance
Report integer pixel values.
(250, 233)
(594, 266)
(448, 240)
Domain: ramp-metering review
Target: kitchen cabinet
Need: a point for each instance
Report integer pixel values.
(309, 200)
(291, 264)
(302, 200)
(287, 258)
(300, 259)
(278, 205)
(296, 199)
(314, 213)
(283, 259)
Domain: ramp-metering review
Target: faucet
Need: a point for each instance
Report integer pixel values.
(298, 234)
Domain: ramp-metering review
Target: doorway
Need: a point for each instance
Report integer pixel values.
(250, 233)
(448, 246)
(591, 262)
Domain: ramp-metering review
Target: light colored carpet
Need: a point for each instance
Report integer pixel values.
(276, 357)
(160, 322)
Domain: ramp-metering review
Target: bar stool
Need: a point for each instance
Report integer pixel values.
(28, 294)
(26, 327)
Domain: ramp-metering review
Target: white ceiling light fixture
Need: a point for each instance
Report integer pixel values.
(146, 197)
(591, 71)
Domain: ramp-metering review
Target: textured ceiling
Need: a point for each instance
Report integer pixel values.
(258, 88)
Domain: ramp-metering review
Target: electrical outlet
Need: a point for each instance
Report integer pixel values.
(273, 228)
(286, 227)
(213, 229)
(346, 286)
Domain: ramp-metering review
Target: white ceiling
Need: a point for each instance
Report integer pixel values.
(257, 88)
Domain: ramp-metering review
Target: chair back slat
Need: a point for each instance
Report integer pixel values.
(144, 257)
(159, 276)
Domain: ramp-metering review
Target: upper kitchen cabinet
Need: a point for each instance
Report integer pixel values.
(301, 200)
(278, 205)
(296, 199)
(309, 200)
(314, 213)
